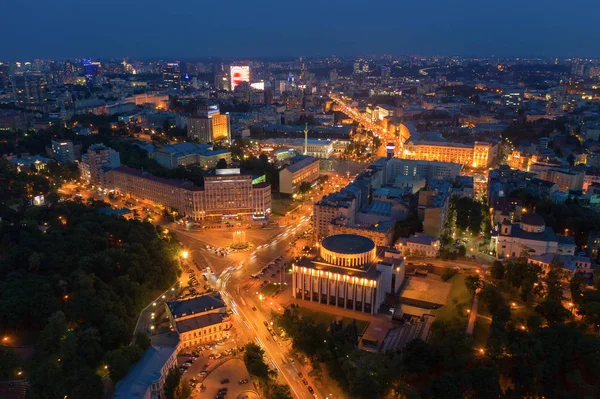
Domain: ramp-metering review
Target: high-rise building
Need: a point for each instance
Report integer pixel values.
(92, 69)
(95, 160)
(239, 74)
(29, 89)
(385, 74)
(4, 77)
(63, 151)
(210, 125)
(171, 74)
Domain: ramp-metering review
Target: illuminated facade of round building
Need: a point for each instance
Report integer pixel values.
(348, 250)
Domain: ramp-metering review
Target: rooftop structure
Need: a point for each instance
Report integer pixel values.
(146, 379)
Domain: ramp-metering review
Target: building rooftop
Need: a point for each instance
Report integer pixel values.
(533, 219)
(299, 162)
(175, 183)
(348, 244)
(198, 304)
(200, 321)
(145, 372)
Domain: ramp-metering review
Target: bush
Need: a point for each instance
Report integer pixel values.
(449, 273)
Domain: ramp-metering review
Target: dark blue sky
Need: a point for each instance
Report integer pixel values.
(253, 28)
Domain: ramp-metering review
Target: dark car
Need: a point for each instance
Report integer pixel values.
(266, 324)
(304, 381)
(225, 381)
(310, 389)
(254, 308)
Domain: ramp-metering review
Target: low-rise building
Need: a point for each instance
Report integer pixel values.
(302, 169)
(346, 272)
(199, 320)
(531, 237)
(570, 263)
(419, 244)
(147, 377)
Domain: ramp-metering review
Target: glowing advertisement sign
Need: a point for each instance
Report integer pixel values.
(239, 74)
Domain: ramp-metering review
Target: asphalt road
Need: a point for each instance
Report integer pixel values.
(239, 290)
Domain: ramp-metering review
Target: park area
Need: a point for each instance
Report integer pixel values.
(459, 301)
(327, 318)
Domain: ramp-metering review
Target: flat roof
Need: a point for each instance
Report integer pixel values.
(348, 244)
(144, 175)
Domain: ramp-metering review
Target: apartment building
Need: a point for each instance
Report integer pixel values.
(93, 163)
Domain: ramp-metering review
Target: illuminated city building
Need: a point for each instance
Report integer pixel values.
(302, 169)
(239, 74)
(348, 271)
(92, 163)
(477, 154)
(210, 125)
(29, 90)
(63, 151)
(531, 236)
(226, 194)
(199, 320)
(419, 244)
(171, 74)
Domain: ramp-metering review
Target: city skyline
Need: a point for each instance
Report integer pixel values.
(67, 29)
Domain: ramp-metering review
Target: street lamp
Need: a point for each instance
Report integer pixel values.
(185, 254)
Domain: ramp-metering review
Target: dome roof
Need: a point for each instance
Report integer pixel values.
(348, 244)
(533, 219)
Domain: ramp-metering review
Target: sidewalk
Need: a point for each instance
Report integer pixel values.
(472, 316)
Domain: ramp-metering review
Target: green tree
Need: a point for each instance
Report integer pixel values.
(120, 360)
(491, 298)
(473, 283)
(497, 270)
(279, 391)
(142, 340)
(254, 361)
(221, 164)
(448, 273)
(171, 384)
(304, 188)
(183, 391)
(553, 311)
(10, 363)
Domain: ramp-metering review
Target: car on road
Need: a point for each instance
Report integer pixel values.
(304, 381)
(254, 308)
(311, 390)
(266, 324)
(225, 381)
(242, 382)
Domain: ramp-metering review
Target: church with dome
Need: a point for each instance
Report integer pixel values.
(530, 236)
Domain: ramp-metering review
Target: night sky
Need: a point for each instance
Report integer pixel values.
(187, 29)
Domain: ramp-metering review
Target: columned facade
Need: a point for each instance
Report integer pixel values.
(335, 289)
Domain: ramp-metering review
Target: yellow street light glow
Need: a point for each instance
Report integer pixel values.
(185, 254)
